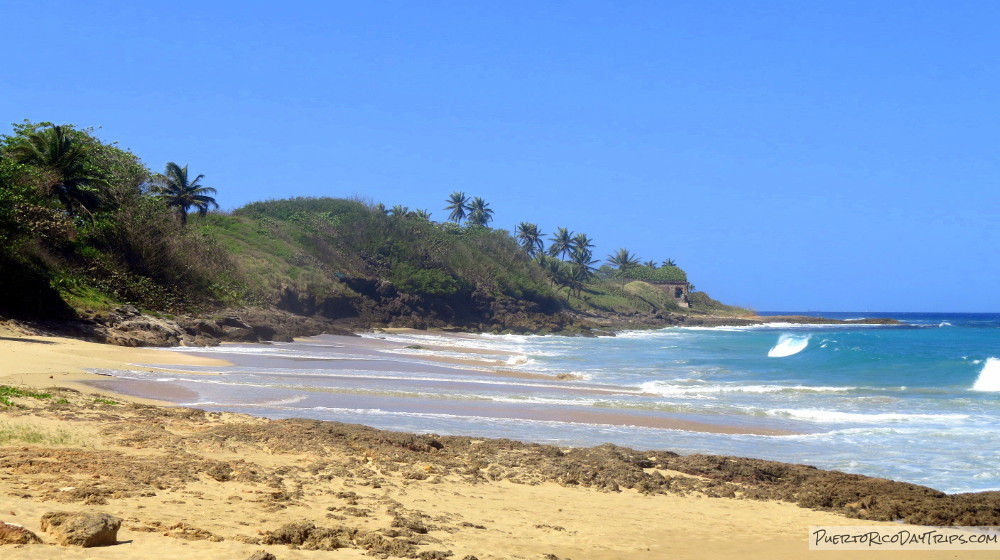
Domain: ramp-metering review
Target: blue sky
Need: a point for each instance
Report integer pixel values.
(789, 155)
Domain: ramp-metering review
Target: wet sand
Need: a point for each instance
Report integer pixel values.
(378, 355)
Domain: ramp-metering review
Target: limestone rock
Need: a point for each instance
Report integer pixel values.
(82, 529)
(15, 534)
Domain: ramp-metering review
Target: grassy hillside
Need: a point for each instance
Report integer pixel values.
(85, 226)
(343, 257)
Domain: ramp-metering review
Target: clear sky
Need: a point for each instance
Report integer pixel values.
(840, 155)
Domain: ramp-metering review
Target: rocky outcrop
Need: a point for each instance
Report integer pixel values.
(127, 326)
(82, 529)
(15, 534)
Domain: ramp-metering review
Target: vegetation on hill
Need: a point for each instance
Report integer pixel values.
(80, 227)
(86, 226)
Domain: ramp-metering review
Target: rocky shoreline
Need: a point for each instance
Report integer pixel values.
(127, 326)
(353, 466)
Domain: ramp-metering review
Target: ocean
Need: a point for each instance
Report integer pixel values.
(917, 403)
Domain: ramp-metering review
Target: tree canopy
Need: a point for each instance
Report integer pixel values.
(182, 193)
(458, 203)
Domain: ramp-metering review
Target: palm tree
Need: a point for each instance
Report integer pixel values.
(582, 242)
(582, 264)
(554, 269)
(530, 238)
(458, 203)
(479, 212)
(422, 214)
(650, 264)
(180, 193)
(669, 262)
(400, 211)
(624, 261)
(63, 161)
(562, 243)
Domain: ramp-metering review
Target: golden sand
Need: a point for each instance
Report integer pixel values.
(110, 450)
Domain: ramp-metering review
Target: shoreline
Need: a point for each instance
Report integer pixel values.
(530, 499)
(220, 485)
(37, 362)
(372, 346)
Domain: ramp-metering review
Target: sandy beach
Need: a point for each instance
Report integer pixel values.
(190, 484)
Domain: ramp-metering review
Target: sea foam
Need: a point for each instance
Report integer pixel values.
(672, 390)
(989, 376)
(788, 344)
(840, 416)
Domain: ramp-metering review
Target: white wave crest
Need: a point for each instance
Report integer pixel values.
(989, 376)
(517, 360)
(817, 415)
(671, 390)
(789, 344)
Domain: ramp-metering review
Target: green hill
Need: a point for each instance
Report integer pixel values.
(85, 226)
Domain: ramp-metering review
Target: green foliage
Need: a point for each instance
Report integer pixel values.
(86, 223)
(458, 204)
(652, 295)
(701, 302)
(480, 213)
(561, 243)
(78, 212)
(635, 298)
(530, 238)
(661, 275)
(60, 158)
(8, 391)
(431, 282)
(328, 239)
(183, 193)
(624, 261)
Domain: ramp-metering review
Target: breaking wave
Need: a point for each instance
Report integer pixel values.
(788, 344)
(989, 376)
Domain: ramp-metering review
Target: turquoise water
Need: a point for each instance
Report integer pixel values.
(919, 403)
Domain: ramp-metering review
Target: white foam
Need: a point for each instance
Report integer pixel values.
(517, 360)
(671, 390)
(788, 344)
(669, 332)
(839, 416)
(542, 400)
(989, 376)
(787, 326)
(281, 402)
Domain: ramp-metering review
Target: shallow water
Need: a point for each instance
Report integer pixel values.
(919, 403)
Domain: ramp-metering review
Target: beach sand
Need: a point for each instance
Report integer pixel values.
(190, 484)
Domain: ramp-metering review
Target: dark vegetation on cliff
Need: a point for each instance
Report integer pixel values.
(86, 227)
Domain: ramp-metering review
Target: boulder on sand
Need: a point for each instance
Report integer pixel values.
(82, 529)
